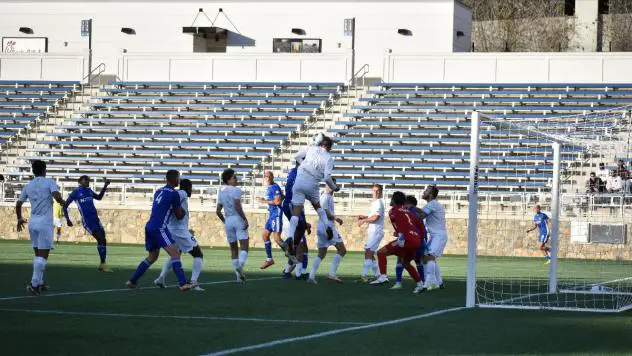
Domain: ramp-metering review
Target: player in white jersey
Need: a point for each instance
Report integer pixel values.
(435, 222)
(235, 221)
(375, 232)
(324, 240)
(316, 167)
(184, 239)
(40, 192)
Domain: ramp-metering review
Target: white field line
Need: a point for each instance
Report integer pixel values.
(331, 332)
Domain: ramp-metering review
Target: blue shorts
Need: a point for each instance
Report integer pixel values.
(543, 237)
(93, 226)
(157, 239)
(274, 224)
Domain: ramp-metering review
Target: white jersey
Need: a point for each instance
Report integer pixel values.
(227, 197)
(39, 192)
(318, 165)
(435, 219)
(183, 224)
(377, 227)
(327, 203)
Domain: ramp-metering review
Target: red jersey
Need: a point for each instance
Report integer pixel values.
(407, 223)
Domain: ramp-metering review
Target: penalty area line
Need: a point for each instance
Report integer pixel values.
(331, 332)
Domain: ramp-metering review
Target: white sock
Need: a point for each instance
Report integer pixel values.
(334, 264)
(287, 268)
(196, 270)
(315, 265)
(166, 267)
(430, 273)
(243, 257)
(367, 265)
(293, 224)
(235, 263)
(376, 268)
(322, 216)
(298, 271)
(39, 266)
(438, 276)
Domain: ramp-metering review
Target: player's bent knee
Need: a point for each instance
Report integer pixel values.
(197, 252)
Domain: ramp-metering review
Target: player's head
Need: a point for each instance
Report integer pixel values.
(411, 202)
(173, 178)
(537, 209)
(268, 177)
(84, 181)
(299, 157)
(593, 176)
(187, 186)
(229, 177)
(621, 163)
(431, 192)
(377, 191)
(326, 143)
(398, 198)
(39, 168)
(329, 190)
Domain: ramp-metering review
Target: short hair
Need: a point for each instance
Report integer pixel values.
(538, 206)
(171, 175)
(399, 198)
(227, 174)
(592, 173)
(411, 200)
(82, 178)
(186, 184)
(378, 186)
(434, 190)
(327, 141)
(38, 167)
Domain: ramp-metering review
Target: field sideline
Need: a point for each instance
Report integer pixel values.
(91, 313)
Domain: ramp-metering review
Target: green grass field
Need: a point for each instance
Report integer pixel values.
(90, 313)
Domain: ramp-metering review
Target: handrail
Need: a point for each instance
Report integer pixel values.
(100, 68)
(360, 74)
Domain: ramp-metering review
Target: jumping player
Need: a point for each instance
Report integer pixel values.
(185, 241)
(407, 228)
(375, 232)
(434, 215)
(40, 192)
(84, 197)
(157, 235)
(542, 222)
(327, 203)
(411, 205)
(297, 243)
(274, 224)
(235, 222)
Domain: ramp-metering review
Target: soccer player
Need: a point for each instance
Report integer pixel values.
(375, 232)
(411, 205)
(316, 167)
(157, 235)
(185, 241)
(274, 224)
(58, 215)
(407, 228)
(298, 243)
(235, 222)
(327, 203)
(434, 215)
(542, 223)
(40, 192)
(84, 196)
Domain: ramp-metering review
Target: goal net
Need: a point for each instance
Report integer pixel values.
(576, 253)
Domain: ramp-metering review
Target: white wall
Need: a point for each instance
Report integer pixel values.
(509, 68)
(51, 66)
(158, 25)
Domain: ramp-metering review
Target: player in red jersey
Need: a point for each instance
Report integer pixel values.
(407, 229)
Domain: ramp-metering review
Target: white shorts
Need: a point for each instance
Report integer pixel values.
(41, 231)
(373, 241)
(183, 239)
(437, 245)
(321, 237)
(235, 229)
(305, 189)
(58, 222)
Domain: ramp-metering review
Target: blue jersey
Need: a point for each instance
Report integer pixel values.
(274, 191)
(289, 184)
(84, 197)
(166, 200)
(540, 219)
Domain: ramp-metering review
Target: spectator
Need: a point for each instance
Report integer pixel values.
(614, 183)
(603, 173)
(626, 182)
(595, 184)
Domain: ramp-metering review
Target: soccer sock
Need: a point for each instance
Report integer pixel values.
(177, 269)
(334, 264)
(42, 270)
(35, 276)
(166, 267)
(197, 269)
(287, 268)
(368, 264)
(304, 260)
(438, 274)
(268, 246)
(298, 271)
(381, 258)
(39, 264)
(102, 252)
(420, 270)
(243, 257)
(412, 271)
(291, 230)
(375, 267)
(235, 263)
(399, 272)
(430, 273)
(322, 216)
(315, 265)
(140, 270)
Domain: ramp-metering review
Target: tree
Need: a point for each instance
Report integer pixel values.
(618, 25)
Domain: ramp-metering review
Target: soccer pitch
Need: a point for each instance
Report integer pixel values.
(87, 312)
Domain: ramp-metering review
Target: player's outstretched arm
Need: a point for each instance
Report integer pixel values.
(218, 211)
(103, 190)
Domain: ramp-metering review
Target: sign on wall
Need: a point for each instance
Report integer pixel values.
(25, 44)
(297, 45)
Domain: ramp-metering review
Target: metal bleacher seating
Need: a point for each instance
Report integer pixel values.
(135, 131)
(411, 135)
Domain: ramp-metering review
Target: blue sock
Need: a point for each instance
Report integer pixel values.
(420, 269)
(304, 260)
(102, 252)
(177, 269)
(140, 270)
(268, 245)
(399, 271)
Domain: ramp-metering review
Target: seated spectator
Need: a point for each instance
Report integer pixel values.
(603, 173)
(624, 173)
(595, 184)
(614, 183)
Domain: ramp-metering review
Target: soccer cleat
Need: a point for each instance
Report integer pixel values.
(103, 267)
(33, 289)
(330, 233)
(131, 285)
(241, 274)
(311, 281)
(419, 289)
(442, 286)
(548, 262)
(286, 275)
(186, 287)
(44, 287)
(267, 264)
(380, 280)
(334, 278)
(397, 286)
(197, 289)
(160, 283)
(431, 287)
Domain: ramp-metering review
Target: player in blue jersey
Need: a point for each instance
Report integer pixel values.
(157, 235)
(84, 197)
(274, 224)
(542, 223)
(411, 205)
